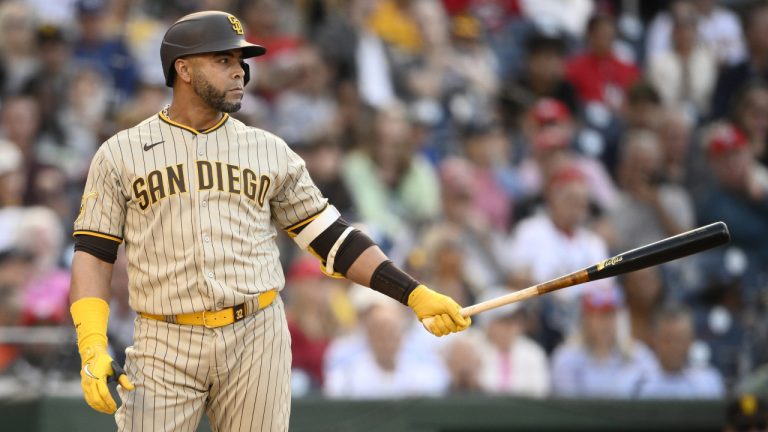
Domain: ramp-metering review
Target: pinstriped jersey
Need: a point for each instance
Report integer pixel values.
(195, 210)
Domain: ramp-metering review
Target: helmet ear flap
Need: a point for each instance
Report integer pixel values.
(246, 70)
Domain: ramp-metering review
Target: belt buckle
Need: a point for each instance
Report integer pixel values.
(205, 320)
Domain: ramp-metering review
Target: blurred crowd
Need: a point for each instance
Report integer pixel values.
(486, 145)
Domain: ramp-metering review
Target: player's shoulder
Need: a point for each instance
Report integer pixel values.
(255, 134)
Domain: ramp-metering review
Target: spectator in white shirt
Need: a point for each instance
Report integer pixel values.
(512, 363)
(383, 359)
(718, 27)
(684, 75)
(677, 377)
(555, 242)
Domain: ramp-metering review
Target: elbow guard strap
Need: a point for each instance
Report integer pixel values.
(393, 282)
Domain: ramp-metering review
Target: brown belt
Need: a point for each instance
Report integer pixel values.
(219, 318)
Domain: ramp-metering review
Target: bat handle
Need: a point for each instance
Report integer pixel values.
(512, 297)
(466, 312)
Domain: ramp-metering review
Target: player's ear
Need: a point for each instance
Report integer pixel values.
(182, 67)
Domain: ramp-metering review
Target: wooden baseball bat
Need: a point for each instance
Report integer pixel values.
(668, 249)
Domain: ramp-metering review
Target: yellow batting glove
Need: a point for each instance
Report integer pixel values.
(98, 369)
(90, 316)
(442, 310)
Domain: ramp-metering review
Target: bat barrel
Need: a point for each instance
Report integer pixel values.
(672, 248)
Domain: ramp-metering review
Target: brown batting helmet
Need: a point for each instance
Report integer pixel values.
(204, 32)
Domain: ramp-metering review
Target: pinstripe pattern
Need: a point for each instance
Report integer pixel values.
(197, 213)
(200, 249)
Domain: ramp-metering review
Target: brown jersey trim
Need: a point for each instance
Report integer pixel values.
(100, 247)
(164, 118)
(97, 234)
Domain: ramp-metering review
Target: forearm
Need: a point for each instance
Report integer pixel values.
(362, 268)
(91, 277)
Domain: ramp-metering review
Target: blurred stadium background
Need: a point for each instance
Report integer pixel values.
(486, 145)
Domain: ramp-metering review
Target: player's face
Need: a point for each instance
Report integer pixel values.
(218, 79)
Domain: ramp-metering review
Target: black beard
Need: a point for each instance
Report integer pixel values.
(215, 98)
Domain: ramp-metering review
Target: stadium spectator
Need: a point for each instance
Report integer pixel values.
(464, 362)
(598, 74)
(307, 108)
(738, 196)
(755, 66)
(104, 51)
(461, 223)
(644, 293)
(718, 27)
(311, 321)
(543, 76)
(513, 364)
(750, 115)
(595, 362)
(381, 361)
(677, 377)
(563, 243)
(395, 189)
(685, 75)
(552, 129)
(675, 138)
(18, 60)
(649, 208)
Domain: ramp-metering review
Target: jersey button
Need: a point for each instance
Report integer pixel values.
(210, 275)
(204, 203)
(200, 152)
(206, 239)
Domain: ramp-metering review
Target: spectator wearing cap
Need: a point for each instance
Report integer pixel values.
(595, 362)
(753, 67)
(551, 130)
(543, 76)
(599, 75)
(685, 75)
(311, 318)
(513, 364)
(737, 196)
(750, 115)
(554, 242)
(746, 412)
(677, 377)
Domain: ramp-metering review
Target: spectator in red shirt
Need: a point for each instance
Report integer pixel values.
(598, 74)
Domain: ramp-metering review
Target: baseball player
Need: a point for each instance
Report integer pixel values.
(196, 196)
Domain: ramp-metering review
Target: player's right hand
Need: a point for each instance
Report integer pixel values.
(443, 311)
(97, 369)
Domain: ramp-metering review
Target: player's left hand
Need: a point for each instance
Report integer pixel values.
(443, 310)
(98, 368)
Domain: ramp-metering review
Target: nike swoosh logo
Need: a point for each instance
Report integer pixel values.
(149, 146)
(88, 372)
